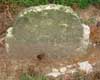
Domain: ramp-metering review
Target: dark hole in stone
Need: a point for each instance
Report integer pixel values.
(41, 56)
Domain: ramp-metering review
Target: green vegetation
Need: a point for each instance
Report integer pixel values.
(28, 77)
(80, 3)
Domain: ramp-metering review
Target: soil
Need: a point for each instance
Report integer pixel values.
(8, 13)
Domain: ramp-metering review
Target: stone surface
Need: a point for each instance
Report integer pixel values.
(53, 30)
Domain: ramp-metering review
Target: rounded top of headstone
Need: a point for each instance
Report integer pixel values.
(53, 30)
(40, 8)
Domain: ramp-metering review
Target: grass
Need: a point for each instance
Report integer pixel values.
(76, 76)
(80, 3)
(28, 77)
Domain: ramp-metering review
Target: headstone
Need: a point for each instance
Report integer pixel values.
(53, 30)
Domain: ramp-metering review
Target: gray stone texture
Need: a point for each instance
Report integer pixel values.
(53, 30)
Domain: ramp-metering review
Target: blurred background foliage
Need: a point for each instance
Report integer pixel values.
(27, 3)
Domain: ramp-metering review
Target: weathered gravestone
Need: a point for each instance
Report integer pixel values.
(53, 30)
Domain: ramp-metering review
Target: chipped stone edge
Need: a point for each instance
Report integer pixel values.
(85, 40)
(86, 35)
(8, 35)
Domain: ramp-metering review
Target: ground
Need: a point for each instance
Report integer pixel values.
(9, 67)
